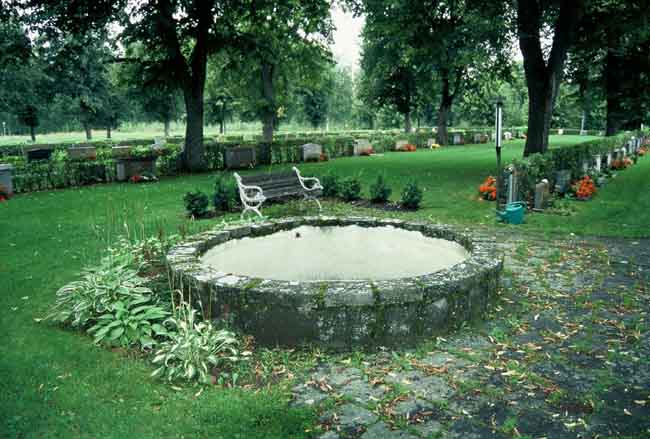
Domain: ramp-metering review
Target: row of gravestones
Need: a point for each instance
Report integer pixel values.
(126, 167)
(563, 177)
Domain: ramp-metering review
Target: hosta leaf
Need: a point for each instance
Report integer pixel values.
(116, 333)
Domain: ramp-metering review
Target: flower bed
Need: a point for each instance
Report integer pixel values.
(488, 190)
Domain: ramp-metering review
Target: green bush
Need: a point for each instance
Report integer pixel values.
(350, 189)
(196, 204)
(194, 348)
(221, 196)
(411, 195)
(135, 321)
(331, 185)
(379, 191)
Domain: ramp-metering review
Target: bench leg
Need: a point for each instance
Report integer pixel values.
(253, 209)
(308, 197)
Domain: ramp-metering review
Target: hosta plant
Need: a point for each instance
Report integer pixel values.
(81, 302)
(134, 321)
(194, 349)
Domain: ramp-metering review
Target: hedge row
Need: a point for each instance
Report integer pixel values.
(531, 170)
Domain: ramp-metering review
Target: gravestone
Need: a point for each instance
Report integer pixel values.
(311, 152)
(360, 146)
(598, 162)
(119, 152)
(457, 139)
(623, 152)
(240, 157)
(507, 135)
(43, 153)
(431, 142)
(542, 194)
(400, 144)
(609, 160)
(583, 132)
(82, 153)
(6, 178)
(560, 132)
(562, 181)
(585, 166)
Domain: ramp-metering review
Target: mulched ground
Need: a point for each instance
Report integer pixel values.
(564, 353)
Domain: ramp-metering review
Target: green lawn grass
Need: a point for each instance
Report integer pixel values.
(56, 383)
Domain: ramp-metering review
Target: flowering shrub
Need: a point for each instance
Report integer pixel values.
(488, 189)
(621, 163)
(142, 178)
(4, 194)
(409, 147)
(643, 151)
(584, 188)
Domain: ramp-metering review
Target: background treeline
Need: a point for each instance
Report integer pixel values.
(69, 65)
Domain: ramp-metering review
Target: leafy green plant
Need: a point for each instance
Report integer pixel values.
(83, 301)
(195, 348)
(331, 185)
(134, 321)
(221, 196)
(196, 204)
(411, 195)
(379, 190)
(350, 189)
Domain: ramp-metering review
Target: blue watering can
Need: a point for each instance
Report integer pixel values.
(514, 213)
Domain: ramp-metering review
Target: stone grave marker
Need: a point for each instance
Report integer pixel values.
(457, 139)
(562, 181)
(82, 153)
(360, 145)
(609, 159)
(431, 142)
(507, 135)
(560, 132)
(598, 162)
(311, 152)
(400, 144)
(585, 166)
(542, 194)
(6, 178)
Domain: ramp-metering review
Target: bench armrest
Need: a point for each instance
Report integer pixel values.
(245, 189)
(315, 183)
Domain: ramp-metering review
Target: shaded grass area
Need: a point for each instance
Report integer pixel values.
(56, 383)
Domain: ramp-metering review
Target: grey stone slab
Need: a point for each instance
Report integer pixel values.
(354, 416)
(382, 431)
(428, 387)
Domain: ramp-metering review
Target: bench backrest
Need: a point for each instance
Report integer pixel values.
(278, 180)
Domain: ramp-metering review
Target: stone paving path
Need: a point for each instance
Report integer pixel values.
(564, 353)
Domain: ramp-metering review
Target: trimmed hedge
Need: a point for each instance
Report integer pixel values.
(531, 170)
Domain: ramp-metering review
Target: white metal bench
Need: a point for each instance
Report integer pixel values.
(254, 190)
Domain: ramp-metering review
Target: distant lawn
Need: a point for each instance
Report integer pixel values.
(57, 384)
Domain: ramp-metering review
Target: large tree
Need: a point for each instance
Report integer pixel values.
(443, 41)
(539, 21)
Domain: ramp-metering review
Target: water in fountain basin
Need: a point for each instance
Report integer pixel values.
(336, 253)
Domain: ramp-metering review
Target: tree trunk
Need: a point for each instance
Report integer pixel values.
(614, 80)
(444, 109)
(541, 99)
(442, 122)
(268, 93)
(543, 77)
(89, 131)
(166, 127)
(108, 132)
(32, 132)
(407, 122)
(194, 153)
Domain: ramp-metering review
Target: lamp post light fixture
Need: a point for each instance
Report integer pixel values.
(498, 141)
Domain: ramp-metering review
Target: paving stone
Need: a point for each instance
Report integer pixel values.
(305, 394)
(428, 387)
(350, 415)
(429, 429)
(381, 431)
(329, 435)
(411, 407)
(337, 376)
(362, 391)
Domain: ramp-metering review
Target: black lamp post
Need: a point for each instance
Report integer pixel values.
(499, 137)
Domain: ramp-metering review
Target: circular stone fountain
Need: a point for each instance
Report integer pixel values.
(337, 281)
